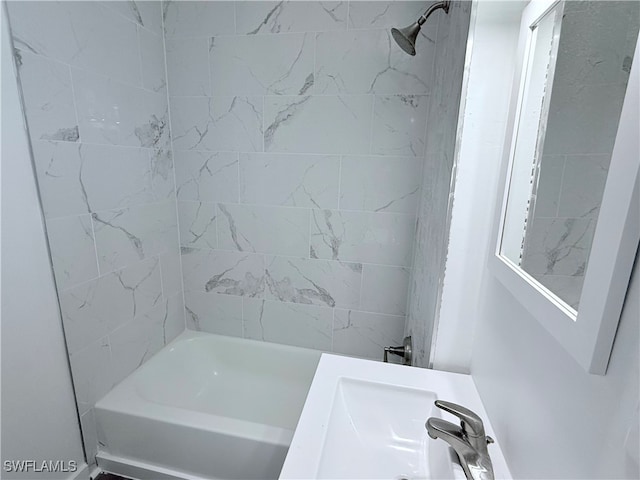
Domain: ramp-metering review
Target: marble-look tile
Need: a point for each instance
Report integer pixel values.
(365, 334)
(549, 183)
(207, 176)
(558, 246)
(386, 14)
(291, 124)
(218, 271)
(48, 98)
(269, 65)
(147, 14)
(260, 229)
(292, 324)
(567, 288)
(171, 273)
(368, 61)
(289, 180)
(580, 119)
(197, 224)
(135, 342)
(380, 184)
(188, 66)
(162, 172)
(89, 435)
(197, 18)
(382, 238)
(175, 317)
(254, 18)
(399, 123)
(83, 34)
(316, 282)
(596, 58)
(384, 289)
(217, 123)
(73, 250)
(151, 60)
(91, 371)
(133, 234)
(95, 308)
(583, 185)
(214, 313)
(81, 178)
(114, 113)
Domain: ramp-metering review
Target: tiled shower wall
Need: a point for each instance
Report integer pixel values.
(299, 138)
(432, 234)
(93, 82)
(586, 100)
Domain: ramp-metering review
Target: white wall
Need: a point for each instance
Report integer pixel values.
(39, 419)
(553, 419)
(487, 103)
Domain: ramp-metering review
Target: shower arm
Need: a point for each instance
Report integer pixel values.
(432, 8)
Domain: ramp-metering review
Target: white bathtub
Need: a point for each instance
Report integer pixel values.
(206, 406)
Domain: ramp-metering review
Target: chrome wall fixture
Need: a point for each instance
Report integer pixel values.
(406, 37)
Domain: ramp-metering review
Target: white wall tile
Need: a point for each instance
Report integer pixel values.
(399, 125)
(171, 273)
(217, 123)
(219, 271)
(289, 180)
(89, 434)
(147, 14)
(291, 124)
(92, 374)
(380, 184)
(115, 113)
(558, 246)
(197, 224)
(133, 234)
(369, 61)
(292, 324)
(365, 334)
(152, 59)
(583, 185)
(265, 65)
(316, 282)
(95, 308)
(549, 184)
(207, 176)
(254, 18)
(260, 229)
(188, 66)
(83, 34)
(214, 313)
(48, 98)
(383, 238)
(197, 18)
(385, 14)
(384, 289)
(73, 251)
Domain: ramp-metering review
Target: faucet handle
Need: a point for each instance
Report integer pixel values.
(470, 422)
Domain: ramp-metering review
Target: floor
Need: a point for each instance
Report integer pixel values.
(109, 476)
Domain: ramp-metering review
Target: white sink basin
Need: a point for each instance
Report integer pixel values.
(365, 420)
(377, 431)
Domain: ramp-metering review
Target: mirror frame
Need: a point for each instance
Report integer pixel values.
(588, 335)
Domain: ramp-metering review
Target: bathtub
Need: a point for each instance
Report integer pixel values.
(206, 406)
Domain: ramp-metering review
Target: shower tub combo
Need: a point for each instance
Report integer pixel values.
(206, 406)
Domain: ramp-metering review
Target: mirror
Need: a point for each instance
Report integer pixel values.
(568, 228)
(575, 82)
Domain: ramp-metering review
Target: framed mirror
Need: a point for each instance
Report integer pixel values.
(568, 229)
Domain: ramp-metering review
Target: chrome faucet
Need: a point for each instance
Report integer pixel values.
(468, 440)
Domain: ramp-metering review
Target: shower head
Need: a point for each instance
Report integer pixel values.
(406, 37)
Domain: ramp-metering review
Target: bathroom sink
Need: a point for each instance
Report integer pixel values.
(377, 431)
(365, 420)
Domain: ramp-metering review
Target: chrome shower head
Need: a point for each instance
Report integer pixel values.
(406, 37)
